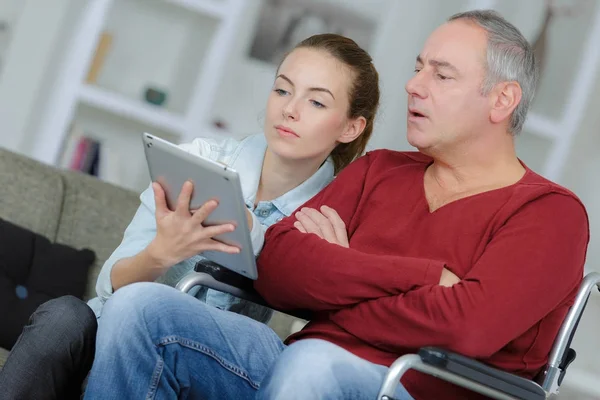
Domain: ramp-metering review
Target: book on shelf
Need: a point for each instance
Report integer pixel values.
(86, 156)
(102, 49)
(84, 153)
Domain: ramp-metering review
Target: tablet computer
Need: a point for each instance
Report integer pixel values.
(171, 166)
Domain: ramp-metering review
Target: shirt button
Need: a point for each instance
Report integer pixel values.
(279, 219)
(264, 213)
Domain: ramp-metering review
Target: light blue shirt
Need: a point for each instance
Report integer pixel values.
(246, 157)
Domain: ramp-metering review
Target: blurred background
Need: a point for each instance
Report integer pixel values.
(81, 79)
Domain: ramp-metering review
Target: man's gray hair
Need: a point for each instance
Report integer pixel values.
(509, 58)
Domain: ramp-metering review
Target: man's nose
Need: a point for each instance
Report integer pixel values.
(416, 85)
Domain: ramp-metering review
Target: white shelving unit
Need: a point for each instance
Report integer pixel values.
(182, 47)
(555, 132)
(560, 130)
(120, 105)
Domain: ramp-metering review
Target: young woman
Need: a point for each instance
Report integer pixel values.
(319, 118)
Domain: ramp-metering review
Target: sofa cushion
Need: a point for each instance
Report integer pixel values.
(94, 215)
(31, 194)
(32, 271)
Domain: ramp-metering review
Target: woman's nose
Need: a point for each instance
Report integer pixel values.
(290, 111)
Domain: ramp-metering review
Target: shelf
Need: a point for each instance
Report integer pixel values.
(122, 158)
(120, 105)
(283, 23)
(211, 8)
(542, 126)
(158, 44)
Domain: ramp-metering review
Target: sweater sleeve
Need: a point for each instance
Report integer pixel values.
(298, 270)
(531, 266)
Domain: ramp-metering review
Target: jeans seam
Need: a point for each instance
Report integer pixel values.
(155, 379)
(211, 353)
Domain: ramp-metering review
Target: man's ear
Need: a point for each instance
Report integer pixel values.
(506, 97)
(353, 130)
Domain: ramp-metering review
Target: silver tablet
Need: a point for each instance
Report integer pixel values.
(171, 166)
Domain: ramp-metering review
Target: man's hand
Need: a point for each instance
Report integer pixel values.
(448, 278)
(326, 224)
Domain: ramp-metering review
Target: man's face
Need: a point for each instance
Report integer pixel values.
(445, 104)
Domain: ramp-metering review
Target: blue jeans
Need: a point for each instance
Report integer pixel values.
(155, 342)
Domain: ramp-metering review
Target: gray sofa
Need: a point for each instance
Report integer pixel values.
(74, 209)
(65, 206)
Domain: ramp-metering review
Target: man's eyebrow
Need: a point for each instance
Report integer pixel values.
(315, 89)
(438, 64)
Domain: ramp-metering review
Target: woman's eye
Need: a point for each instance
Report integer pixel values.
(317, 104)
(417, 70)
(281, 92)
(442, 77)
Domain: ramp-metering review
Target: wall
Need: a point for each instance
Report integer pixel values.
(29, 55)
(581, 175)
(243, 95)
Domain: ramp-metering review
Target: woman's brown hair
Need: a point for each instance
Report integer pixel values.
(364, 91)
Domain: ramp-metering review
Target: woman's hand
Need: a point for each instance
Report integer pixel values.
(249, 219)
(180, 233)
(325, 223)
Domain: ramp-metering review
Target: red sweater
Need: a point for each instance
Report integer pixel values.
(518, 250)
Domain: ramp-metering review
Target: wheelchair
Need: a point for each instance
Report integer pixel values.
(443, 364)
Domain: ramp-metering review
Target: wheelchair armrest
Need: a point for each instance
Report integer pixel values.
(214, 276)
(478, 372)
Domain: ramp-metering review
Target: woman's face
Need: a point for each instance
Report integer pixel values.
(307, 110)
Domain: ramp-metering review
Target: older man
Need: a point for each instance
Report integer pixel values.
(459, 245)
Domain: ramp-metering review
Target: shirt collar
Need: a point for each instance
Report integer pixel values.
(248, 165)
(290, 201)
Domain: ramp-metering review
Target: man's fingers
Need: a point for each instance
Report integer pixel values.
(184, 198)
(339, 226)
(298, 225)
(309, 225)
(322, 222)
(204, 211)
